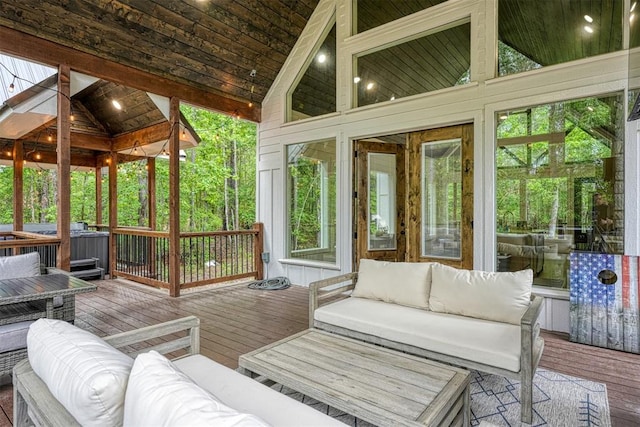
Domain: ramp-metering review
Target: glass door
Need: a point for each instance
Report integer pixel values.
(379, 201)
(440, 196)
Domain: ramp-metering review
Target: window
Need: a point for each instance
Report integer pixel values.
(311, 189)
(560, 185)
(533, 36)
(315, 93)
(373, 13)
(430, 62)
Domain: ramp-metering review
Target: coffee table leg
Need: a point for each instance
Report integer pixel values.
(467, 407)
(245, 372)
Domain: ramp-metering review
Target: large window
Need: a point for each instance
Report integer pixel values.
(430, 62)
(373, 13)
(314, 93)
(560, 184)
(535, 34)
(311, 189)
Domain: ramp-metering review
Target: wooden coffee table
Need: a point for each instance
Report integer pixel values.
(375, 384)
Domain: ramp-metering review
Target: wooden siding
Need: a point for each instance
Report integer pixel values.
(237, 320)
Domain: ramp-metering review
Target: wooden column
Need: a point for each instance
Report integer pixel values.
(99, 195)
(174, 198)
(113, 211)
(18, 189)
(18, 186)
(151, 189)
(151, 183)
(64, 167)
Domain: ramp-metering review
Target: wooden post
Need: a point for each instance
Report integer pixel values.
(64, 167)
(174, 198)
(258, 248)
(151, 183)
(113, 212)
(18, 189)
(98, 195)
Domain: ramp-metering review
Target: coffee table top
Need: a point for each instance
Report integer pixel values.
(41, 287)
(375, 384)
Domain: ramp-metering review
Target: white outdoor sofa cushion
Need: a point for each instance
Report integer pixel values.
(491, 343)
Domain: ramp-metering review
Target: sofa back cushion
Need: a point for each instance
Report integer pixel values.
(501, 297)
(404, 283)
(158, 394)
(26, 265)
(84, 373)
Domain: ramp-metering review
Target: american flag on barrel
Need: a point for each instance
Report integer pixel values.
(604, 307)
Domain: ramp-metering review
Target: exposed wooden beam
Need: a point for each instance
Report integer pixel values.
(98, 172)
(64, 168)
(143, 136)
(78, 140)
(30, 47)
(112, 162)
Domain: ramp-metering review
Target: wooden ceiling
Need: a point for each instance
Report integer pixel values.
(210, 44)
(213, 45)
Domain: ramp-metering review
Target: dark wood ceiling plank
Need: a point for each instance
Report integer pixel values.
(79, 106)
(49, 52)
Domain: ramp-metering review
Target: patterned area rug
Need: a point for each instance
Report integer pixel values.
(558, 400)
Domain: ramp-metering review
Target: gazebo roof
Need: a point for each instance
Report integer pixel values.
(140, 128)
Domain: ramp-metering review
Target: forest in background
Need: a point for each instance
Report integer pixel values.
(217, 183)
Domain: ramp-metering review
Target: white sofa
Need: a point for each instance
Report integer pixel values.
(72, 378)
(478, 320)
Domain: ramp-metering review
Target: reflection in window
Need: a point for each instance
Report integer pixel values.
(382, 201)
(560, 184)
(315, 93)
(533, 35)
(373, 13)
(311, 188)
(435, 61)
(441, 199)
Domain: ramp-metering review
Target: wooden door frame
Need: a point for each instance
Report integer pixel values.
(414, 193)
(361, 149)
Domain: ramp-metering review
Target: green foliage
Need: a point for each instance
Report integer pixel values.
(215, 173)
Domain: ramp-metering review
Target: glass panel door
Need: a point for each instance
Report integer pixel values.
(441, 199)
(382, 201)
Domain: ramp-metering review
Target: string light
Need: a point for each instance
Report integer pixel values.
(12, 86)
(252, 74)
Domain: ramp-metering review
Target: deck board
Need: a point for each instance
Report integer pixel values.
(237, 320)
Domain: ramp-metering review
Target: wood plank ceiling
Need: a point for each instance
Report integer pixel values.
(211, 45)
(215, 45)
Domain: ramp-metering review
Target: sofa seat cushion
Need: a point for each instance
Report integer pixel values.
(404, 283)
(84, 373)
(159, 394)
(13, 336)
(26, 265)
(247, 395)
(482, 341)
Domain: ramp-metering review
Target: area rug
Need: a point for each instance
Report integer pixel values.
(558, 400)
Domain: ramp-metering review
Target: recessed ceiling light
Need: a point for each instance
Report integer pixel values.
(356, 79)
(370, 85)
(588, 29)
(322, 58)
(116, 104)
(633, 6)
(393, 97)
(588, 19)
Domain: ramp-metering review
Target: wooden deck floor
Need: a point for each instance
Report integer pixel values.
(236, 320)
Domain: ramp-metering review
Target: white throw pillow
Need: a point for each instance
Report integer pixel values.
(159, 394)
(26, 265)
(84, 373)
(501, 297)
(404, 283)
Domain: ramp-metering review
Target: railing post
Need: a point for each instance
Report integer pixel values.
(258, 248)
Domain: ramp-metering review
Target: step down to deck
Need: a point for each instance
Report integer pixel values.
(93, 273)
(87, 268)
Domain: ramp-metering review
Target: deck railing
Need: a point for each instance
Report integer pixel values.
(142, 255)
(22, 242)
